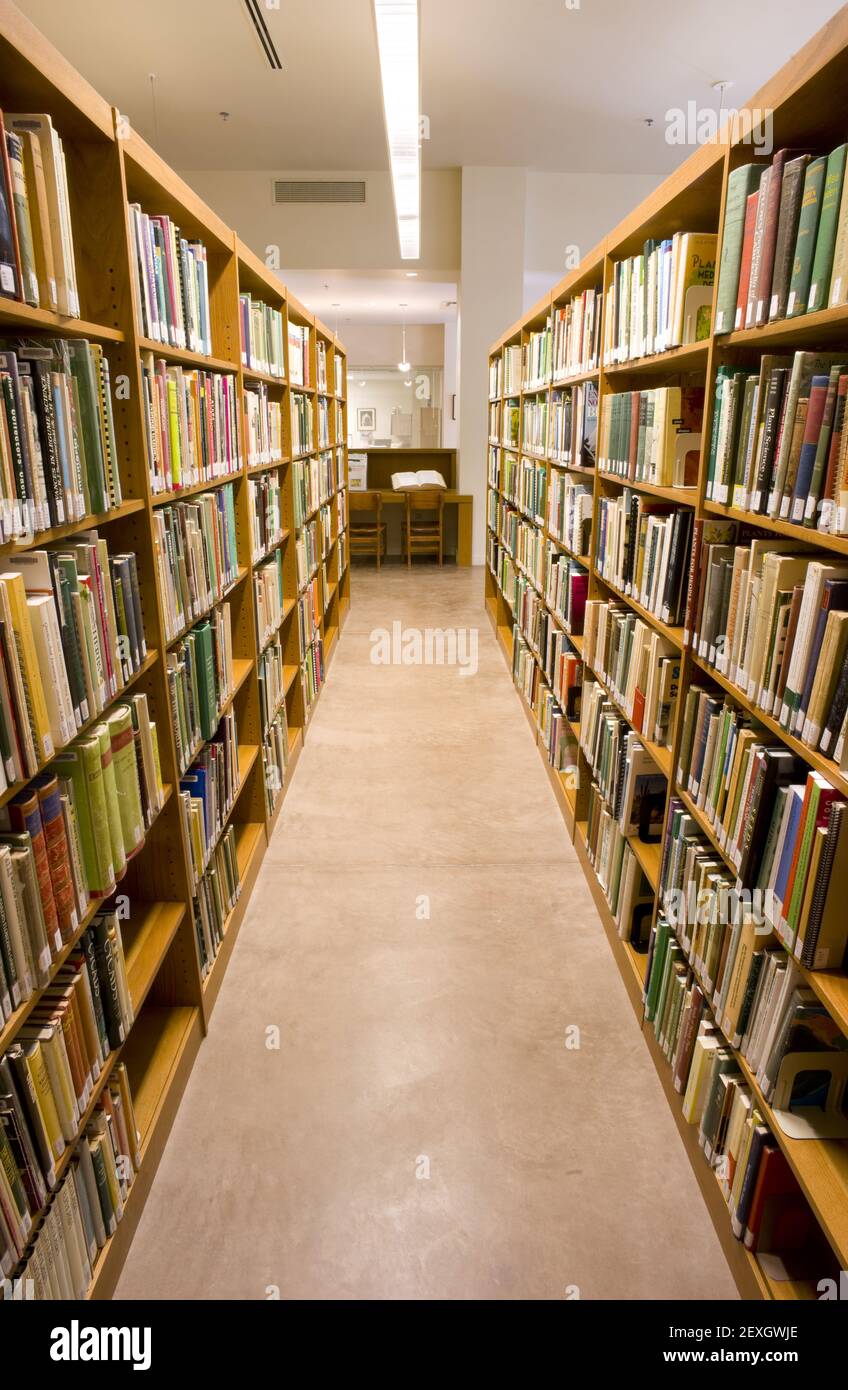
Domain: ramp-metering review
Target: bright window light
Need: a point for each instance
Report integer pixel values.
(397, 44)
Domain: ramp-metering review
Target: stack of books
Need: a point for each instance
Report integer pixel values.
(37, 263)
(172, 283)
(196, 555)
(191, 421)
(660, 299)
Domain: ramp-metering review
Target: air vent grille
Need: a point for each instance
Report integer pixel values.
(319, 190)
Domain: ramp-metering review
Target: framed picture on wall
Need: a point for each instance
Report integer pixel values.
(366, 419)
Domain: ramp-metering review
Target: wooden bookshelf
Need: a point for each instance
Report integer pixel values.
(110, 166)
(804, 99)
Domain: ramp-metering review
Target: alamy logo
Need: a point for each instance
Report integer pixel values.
(77, 1343)
(429, 646)
(698, 125)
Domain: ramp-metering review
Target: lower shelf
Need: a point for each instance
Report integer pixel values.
(159, 1054)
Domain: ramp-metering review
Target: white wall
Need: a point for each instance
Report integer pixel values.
(379, 345)
(490, 299)
(572, 210)
(335, 236)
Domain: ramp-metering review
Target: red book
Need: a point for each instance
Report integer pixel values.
(772, 212)
(747, 253)
(50, 804)
(25, 815)
(835, 442)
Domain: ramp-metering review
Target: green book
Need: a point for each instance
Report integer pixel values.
(110, 789)
(805, 242)
(661, 941)
(826, 235)
(124, 762)
(741, 184)
(81, 766)
(88, 386)
(206, 679)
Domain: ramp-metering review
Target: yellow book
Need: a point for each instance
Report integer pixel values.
(174, 433)
(37, 1068)
(13, 583)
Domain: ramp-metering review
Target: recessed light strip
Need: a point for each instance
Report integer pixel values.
(397, 23)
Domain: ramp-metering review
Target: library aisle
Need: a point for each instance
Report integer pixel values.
(422, 1130)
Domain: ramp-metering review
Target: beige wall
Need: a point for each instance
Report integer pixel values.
(335, 236)
(379, 345)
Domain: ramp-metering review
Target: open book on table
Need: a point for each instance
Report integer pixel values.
(411, 482)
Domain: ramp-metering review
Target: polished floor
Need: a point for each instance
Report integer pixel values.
(422, 937)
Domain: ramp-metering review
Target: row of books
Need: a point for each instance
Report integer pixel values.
(325, 520)
(310, 611)
(639, 666)
(577, 335)
(307, 551)
(301, 424)
(191, 424)
(208, 792)
(534, 426)
(312, 673)
(526, 672)
(563, 669)
(653, 436)
(626, 889)
(271, 675)
(322, 423)
(72, 615)
(532, 488)
(767, 1210)
(300, 363)
(315, 481)
(566, 589)
(320, 365)
(275, 757)
(513, 360)
(268, 595)
(536, 357)
(556, 735)
(495, 377)
(569, 517)
(778, 825)
(510, 424)
(216, 894)
(37, 262)
(338, 379)
(494, 422)
(200, 681)
(625, 772)
(58, 453)
(530, 552)
(67, 839)
(196, 555)
(263, 424)
(574, 426)
(754, 985)
(265, 500)
(778, 445)
(643, 549)
(785, 246)
(171, 283)
(773, 619)
(59, 1261)
(262, 337)
(661, 298)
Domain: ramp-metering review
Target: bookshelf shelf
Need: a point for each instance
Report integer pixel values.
(72, 528)
(690, 358)
(690, 200)
(110, 166)
(683, 496)
(818, 540)
(24, 318)
(149, 661)
(819, 328)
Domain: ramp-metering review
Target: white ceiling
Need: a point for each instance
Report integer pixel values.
(515, 82)
(373, 299)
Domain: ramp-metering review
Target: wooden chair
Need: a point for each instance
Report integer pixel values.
(367, 531)
(423, 527)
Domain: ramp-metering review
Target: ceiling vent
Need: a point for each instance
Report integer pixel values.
(319, 190)
(255, 16)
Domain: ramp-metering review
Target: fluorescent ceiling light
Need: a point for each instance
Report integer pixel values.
(397, 23)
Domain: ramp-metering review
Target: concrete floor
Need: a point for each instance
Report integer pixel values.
(413, 1046)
